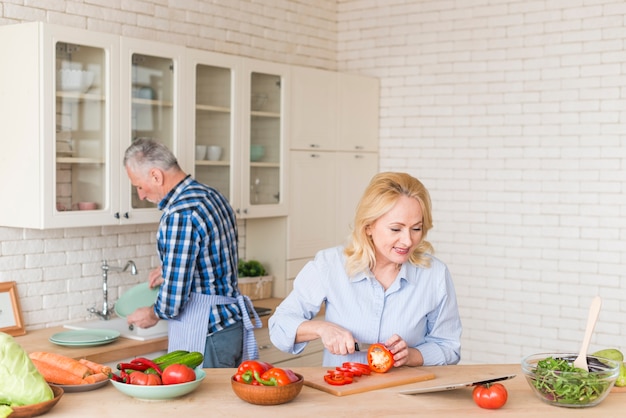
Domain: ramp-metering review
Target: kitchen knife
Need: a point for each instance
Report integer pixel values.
(361, 346)
(452, 386)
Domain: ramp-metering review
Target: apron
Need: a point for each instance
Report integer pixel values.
(189, 330)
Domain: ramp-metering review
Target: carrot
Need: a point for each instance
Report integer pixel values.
(62, 362)
(96, 377)
(95, 367)
(54, 374)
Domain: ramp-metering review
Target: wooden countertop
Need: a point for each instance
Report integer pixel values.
(119, 349)
(215, 395)
(122, 348)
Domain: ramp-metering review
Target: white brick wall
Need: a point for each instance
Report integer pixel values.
(512, 113)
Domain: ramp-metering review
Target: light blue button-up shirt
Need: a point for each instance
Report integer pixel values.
(420, 306)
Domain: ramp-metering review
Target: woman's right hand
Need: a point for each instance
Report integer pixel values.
(337, 340)
(154, 278)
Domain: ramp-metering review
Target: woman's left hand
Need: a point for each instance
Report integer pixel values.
(400, 350)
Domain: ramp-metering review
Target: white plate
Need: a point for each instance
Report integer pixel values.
(135, 297)
(85, 338)
(83, 388)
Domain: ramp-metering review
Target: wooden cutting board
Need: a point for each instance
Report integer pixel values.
(394, 377)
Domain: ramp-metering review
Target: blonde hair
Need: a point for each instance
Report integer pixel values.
(380, 196)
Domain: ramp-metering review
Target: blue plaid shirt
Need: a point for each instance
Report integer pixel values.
(197, 244)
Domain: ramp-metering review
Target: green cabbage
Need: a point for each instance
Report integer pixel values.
(20, 381)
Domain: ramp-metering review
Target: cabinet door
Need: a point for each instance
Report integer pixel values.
(354, 172)
(151, 91)
(359, 113)
(263, 161)
(312, 206)
(213, 123)
(58, 129)
(314, 103)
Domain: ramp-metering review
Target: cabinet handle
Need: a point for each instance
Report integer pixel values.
(126, 215)
(314, 146)
(357, 156)
(245, 211)
(264, 347)
(117, 215)
(315, 156)
(359, 147)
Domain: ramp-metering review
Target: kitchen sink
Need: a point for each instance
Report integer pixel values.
(120, 325)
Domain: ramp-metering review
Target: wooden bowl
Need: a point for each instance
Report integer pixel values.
(267, 395)
(38, 408)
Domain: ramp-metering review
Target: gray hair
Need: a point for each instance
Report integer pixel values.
(146, 153)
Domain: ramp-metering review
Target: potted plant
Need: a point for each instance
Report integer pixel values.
(254, 281)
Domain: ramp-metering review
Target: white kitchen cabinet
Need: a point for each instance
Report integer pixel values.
(68, 95)
(334, 154)
(334, 111)
(240, 107)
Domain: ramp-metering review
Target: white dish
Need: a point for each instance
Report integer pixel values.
(83, 388)
(136, 297)
(84, 338)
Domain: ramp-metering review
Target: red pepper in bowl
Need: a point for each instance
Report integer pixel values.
(245, 371)
(276, 377)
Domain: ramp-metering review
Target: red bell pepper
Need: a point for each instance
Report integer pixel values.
(276, 377)
(246, 370)
(379, 358)
(338, 377)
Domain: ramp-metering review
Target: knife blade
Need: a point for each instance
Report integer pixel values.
(453, 386)
(361, 346)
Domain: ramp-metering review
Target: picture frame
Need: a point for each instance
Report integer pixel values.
(11, 321)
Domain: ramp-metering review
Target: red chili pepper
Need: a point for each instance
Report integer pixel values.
(133, 366)
(149, 363)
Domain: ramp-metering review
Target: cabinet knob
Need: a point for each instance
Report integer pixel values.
(126, 215)
(117, 215)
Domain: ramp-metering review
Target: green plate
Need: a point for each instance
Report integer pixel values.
(136, 297)
(84, 338)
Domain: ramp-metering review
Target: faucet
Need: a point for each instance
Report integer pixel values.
(105, 313)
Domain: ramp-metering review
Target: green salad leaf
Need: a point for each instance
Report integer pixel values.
(555, 380)
(20, 381)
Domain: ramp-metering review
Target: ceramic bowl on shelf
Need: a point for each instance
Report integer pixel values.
(256, 152)
(267, 395)
(75, 80)
(160, 392)
(573, 388)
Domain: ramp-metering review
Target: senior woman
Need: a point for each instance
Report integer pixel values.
(385, 286)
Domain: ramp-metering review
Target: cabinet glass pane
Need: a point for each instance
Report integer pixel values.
(152, 104)
(81, 128)
(265, 139)
(213, 127)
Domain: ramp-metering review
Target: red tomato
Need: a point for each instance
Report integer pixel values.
(490, 395)
(379, 358)
(177, 373)
(144, 379)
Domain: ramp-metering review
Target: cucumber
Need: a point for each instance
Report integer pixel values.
(193, 360)
(170, 355)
